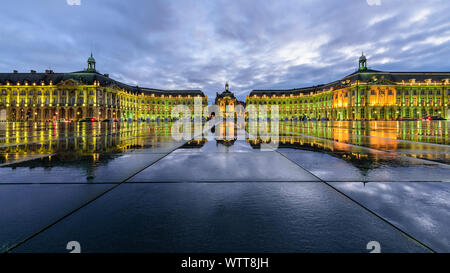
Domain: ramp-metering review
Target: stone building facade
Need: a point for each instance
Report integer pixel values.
(366, 94)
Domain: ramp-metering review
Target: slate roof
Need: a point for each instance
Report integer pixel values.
(365, 76)
(88, 78)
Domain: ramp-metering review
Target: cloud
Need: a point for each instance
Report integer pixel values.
(73, 2)
(374, 2)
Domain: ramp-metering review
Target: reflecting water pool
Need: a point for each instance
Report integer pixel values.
(131, 187)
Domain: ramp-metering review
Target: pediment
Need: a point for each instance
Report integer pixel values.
(69, 82)
(380, 81)
(115, 87)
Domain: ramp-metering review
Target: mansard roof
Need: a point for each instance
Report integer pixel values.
(397, 76)
(225, 93)
(88, 78)
(369, 76)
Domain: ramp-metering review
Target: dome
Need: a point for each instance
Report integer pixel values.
(362, 58)
(91, 59)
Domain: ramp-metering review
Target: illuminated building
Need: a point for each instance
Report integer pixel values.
(228, 104)
(363, 95)
(62, 141)
(85, 94)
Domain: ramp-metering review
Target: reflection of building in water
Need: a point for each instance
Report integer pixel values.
(69, 141)
(366, 94)
(195, 143)
(362, 160)
(376, 135)
(229, 105)
(226, 133)
(87, 93)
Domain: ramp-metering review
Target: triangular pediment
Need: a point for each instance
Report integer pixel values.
(114, 86)
(380, 81)
(69, 82)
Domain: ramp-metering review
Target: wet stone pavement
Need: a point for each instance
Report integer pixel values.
(130, 187)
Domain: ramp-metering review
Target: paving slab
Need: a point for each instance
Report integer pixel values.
(26, 209)
(220, 167)
(225, 217)
(420, 208)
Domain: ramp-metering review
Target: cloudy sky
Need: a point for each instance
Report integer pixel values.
(252, 44)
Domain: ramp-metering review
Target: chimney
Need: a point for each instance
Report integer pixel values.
(106, 75)
(15, 71)
(32, 71)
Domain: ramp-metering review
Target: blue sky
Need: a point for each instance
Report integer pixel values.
(252, 44)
